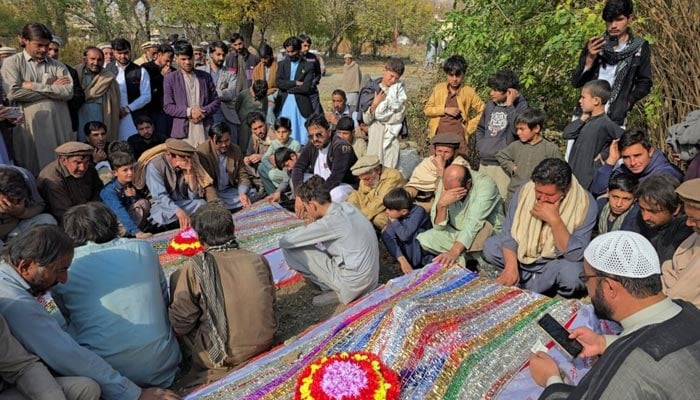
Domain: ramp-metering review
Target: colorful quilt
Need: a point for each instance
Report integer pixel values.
(447, 332)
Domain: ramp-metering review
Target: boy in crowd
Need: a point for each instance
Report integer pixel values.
(285, 158)
(405, 221)
(496, 128)
(123, 199)
(145, 139)
(619, 210)
(592, 133)
(345, 129)
(269, 175)
(383, 110)
(520, 158)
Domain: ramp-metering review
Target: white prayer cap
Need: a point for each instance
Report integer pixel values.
(57, 40)
(623, 253)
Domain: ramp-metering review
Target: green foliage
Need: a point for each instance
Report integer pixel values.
(539, 39)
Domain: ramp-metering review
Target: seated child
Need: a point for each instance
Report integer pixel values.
(285, 158)
(345, 128)
(618, 211)
(123, 199)
(406, 221)
(270, 176)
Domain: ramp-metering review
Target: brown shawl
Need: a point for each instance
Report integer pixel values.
(139, 182)
(103, 84)
(259, 74)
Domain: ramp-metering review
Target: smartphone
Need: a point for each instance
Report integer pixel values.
(560, 335)
(15, 112)
(611, 41)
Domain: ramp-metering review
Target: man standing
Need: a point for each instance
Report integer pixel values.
(655, 355)
(42, 86)
(548, 224)
(107, 53)
(467, 209)
(338, 250)
(134, 87)
(241, 62)
(189, 97)
(34, 263)
(70, 180)
(294, 80)
(266, 70)
(375, 182)
(352, 81)
(150, 51)
(157, 70)
(101, 94)
(681, 274)
(225, 82)
(78, 98)
(313, 60)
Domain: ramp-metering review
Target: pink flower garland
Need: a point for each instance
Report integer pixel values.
(348, 376)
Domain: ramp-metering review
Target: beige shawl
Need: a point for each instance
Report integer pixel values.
(203, 178)
(103, 84)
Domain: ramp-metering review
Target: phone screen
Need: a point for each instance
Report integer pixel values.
(560, 335)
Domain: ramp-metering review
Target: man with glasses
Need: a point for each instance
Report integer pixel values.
(656, 354)
(681, 274)
(548, 224)
(328, 156)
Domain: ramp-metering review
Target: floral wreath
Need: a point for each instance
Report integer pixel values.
(348, 376)
(185, 243)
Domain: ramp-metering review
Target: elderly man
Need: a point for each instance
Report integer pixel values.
(101, 94)
(681, 274)
(352, 81)
(35, 262)
(70, 180)
(338, 251)
(223, 161)
(425, 176)
(225, 82)
(375, 182)
(548, 224)
(189, 97)
(21, 206)
(223, 306)
(115, 282)
(467, 209)
(42, 86)
(150, 51)
(177, 181)
(327, 156)
(655, 355)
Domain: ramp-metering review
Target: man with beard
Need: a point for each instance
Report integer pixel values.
(134, 87)
(78, 95)
(241, 62)
(70, 180)
(681, 274)
(327, 156)
(157, 70)
(655, 355)
(315, 63)
(660, 219)
(225, 82)
(266, 70)
(425, 177)
(101, 94)
(375, 182)
(34, 263)
(150, 51)
(189, 97)
(294, 80)
(352, 81)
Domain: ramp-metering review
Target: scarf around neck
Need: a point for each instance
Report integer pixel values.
(622, 59)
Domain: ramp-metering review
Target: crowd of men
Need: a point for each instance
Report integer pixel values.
(113, 150)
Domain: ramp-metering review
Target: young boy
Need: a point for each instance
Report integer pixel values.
(405, 221)
(123, 199)
(145, 139)
(618, 211)
(269, 175)
(285, 158)
(520, 158)
(346, 129)
(383, 110)
(592, 133)
(496, 128)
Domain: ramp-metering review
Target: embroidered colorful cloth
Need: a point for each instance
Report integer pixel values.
(448, 333)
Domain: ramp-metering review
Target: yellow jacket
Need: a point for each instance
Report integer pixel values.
(467, 101)
(370, 201)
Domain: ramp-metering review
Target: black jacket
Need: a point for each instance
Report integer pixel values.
(305, 73)
(341, 157)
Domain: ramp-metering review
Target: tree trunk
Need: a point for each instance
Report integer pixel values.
(246, 30)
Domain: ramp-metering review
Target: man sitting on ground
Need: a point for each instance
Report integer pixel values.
(338, 251)
(21, 206)
(681, 274)
(467, 209)
(548, 224)
(70, 180)
(117, 283)
(223, 300)
(660, 219)
(655, 355)
(424, 179)
(375, 182)
(145, 139)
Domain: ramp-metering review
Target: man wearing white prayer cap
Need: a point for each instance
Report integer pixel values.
(656, 356)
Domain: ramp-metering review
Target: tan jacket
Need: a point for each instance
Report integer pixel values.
(370, 201)
(235, 168)
(681, 274)
(467, 102)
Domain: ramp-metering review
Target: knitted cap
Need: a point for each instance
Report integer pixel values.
(623, 253)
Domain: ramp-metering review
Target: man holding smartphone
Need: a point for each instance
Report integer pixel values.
(619, 57)
(655, 355)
